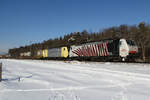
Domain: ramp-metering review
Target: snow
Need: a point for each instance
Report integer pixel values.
(74, 80)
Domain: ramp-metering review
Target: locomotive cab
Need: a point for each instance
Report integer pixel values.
(128, 49)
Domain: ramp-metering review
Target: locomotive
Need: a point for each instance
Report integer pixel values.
(104, 50)
(108, 50)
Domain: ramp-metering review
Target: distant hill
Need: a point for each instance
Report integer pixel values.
(3, 53)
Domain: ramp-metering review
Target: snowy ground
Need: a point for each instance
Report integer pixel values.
(58, 80)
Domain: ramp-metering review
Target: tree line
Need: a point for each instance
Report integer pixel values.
(139, 33)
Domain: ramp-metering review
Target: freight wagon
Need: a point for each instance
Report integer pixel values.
(53, 53)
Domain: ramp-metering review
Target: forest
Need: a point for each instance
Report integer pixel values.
(139, 33)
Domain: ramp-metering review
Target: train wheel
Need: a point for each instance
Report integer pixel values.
(123, 59)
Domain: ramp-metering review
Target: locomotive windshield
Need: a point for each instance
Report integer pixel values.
(130, 42)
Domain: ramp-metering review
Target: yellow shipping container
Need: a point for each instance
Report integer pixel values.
(45, 53)
(64, 52)
(39, 54)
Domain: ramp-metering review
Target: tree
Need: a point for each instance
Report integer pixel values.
(143, 37)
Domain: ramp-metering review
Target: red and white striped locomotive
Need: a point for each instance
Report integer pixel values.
(111, 49)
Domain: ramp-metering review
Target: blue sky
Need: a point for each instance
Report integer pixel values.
(23, 22)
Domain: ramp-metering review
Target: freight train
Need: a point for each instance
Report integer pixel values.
(105, 50)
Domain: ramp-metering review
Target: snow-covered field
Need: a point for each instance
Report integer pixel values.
(58, 80)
